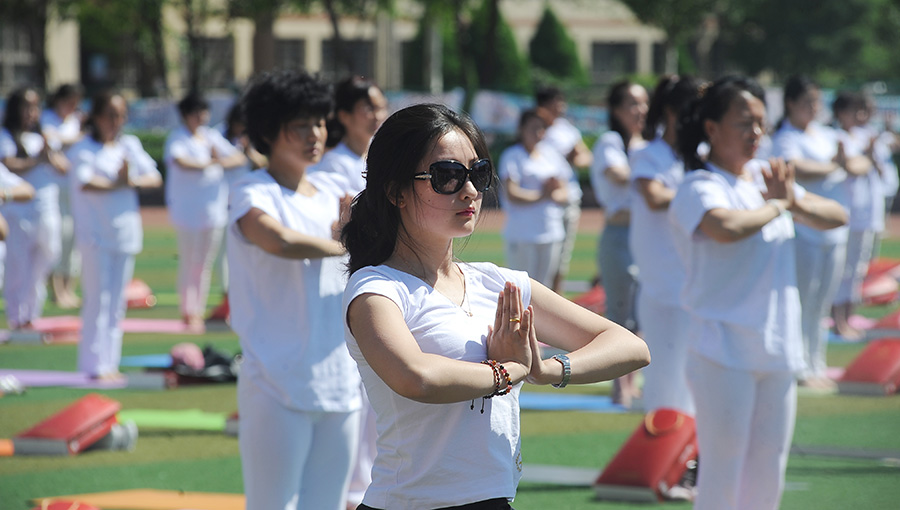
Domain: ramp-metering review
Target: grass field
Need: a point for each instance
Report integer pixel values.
(205, 461)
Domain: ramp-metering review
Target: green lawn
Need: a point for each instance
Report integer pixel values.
(203, 461)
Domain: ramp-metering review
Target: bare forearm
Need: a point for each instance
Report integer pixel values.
(730, 225)
(809, 169)
(820, 213)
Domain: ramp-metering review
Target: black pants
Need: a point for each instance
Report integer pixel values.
(488, 504)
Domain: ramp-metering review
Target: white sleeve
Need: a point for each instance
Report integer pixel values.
(7, 145)
(368, 280)
(693, 200)
(509, 167)
(247, 195)
(221, 144)
(9, 179)
(143, 164)
(82, 160)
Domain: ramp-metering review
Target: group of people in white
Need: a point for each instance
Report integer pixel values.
(362, 391)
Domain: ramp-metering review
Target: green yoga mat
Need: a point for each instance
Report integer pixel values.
(183, 419)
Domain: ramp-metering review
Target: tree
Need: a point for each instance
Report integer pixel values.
(679, 20)
(553, 51)
(498, 61)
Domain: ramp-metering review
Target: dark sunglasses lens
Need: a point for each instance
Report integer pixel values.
(482, 174)
(448, 177)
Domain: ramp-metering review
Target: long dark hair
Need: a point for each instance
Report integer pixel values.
(711, 105)
(347, 93)
(13, 120)
(672, 92)
(99, 102)
(794, 87)
(63, 92)
(617, 95)
(394, 156)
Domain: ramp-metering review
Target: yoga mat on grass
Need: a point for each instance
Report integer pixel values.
(49, 378)
(152, 499)
(175, 419)
(570, 402)
(147, 361)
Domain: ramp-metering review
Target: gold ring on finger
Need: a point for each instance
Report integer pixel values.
(515, 319)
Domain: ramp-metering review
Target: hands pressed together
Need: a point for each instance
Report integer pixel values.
(512, 341)
(779, 181)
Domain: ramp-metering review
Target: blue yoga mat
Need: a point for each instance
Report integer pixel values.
(147, 361)
(571, 402)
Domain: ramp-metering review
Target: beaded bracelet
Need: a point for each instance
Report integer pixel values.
(500, 375)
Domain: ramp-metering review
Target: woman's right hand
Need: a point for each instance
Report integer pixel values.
(508, 341)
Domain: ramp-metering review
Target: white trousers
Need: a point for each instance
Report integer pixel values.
(33, 249)
(539, 260)
(745, 422)
(104, 277)
(365, 456)
(69, 263)
(571, 217)
(665, 329)
(197, 250)
(819, 270)
(293, 459)
(859, 254)
(617, 270)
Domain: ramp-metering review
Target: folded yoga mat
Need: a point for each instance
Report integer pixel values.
(152, 499)
(47, 378)
(178, 419)
(570, 402)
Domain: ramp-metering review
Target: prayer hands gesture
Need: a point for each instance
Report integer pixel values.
(511, 339)
(779, 180)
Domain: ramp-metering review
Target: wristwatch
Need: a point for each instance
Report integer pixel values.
(567, 370)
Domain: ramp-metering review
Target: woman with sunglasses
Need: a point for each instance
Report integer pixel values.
(729, 218)
(108, 168)
(443, 346)
(535, 189)
(298, 394)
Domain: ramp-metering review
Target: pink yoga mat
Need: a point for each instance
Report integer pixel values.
(51, 324)
(44, 378)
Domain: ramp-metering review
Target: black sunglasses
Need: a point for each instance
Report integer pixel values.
(448, 177)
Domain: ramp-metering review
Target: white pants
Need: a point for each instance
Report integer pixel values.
(571, 217)
(197, 250)
(69, 263)
(539, 260)
(665, 329)
(745, 421)
(293, 459)
(617, 269)
(33, 251)
(859, 254)
(104, 277)
(365, 456)
(818, 275)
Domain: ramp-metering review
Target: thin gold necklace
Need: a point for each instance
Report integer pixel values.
(465, 306)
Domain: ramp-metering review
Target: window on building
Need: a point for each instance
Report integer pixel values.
(360, 55)
(290, 53)
(659, 58)
(17, 63)
(611, 60)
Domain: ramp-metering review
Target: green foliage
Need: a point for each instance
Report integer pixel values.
(500, 65)
(553, 51)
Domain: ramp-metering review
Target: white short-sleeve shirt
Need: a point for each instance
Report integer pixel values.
(42, 177)
(288, 312)
(650, 235)
(563, 136)
(609, 151)
(197, 199)
(110, 220)
(742, 295)
(437, 455)
(817, 143)
(538, 222)
(343, 161)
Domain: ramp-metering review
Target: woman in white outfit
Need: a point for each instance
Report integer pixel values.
(359, 109)
(656, 172)
(61, 123)
(432, 335)
(535, 195)
(610, 176)
(822, 168)
(196, 194)
(108, 168)
(34, 225)
(12, 189)
(741, 291)
(298, 394)
(866, 210)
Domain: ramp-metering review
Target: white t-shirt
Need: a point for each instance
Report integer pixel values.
(197, 199)
(42, 177)
(609, 151)
(563, 136)
(108, 219)
(538, 222)
(650, 235)
(817, 143)
(58, 129)
(865, 207)
(287, 312)
(8, 180)
(437, 455)
(234, 174)
(742, 295)
(890, 180)
(343, 161)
